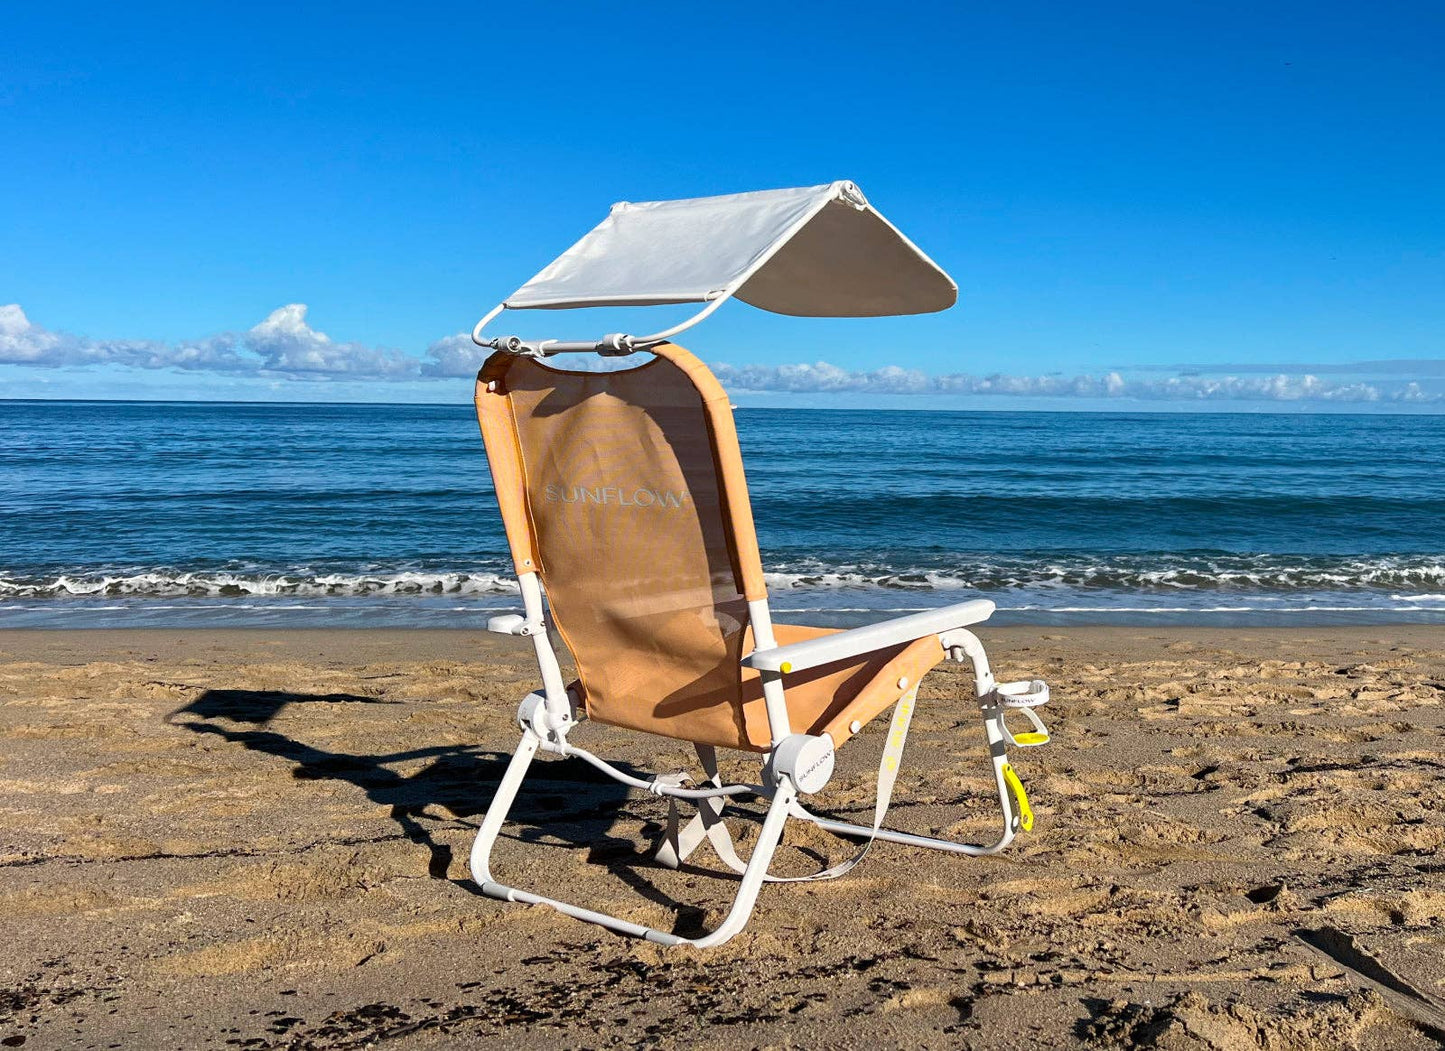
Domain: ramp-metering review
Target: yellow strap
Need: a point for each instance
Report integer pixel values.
(1026, 813)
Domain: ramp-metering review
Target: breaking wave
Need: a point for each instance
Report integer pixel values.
(1408, 578)
(168, 583)
(1151, 573)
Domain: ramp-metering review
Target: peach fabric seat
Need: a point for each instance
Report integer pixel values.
(624, 491)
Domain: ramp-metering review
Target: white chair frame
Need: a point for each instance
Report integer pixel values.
(547, 716)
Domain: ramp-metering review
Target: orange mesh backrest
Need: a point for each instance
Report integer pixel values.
(625, 492)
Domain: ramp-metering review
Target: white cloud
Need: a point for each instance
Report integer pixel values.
(284, 345)
(1418, 367)
(454, 356)
(20, 341)
(822, 378)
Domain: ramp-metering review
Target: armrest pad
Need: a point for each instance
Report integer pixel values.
(870, 638)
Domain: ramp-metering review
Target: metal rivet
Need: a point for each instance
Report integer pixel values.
(854, 726)
(903, 683)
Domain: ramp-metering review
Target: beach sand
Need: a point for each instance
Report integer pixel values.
(258, 840)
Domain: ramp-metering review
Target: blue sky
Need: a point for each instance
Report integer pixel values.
(1144, 205)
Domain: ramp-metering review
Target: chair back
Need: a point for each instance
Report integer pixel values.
(624, 492)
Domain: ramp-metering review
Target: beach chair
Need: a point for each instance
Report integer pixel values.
(628, 518)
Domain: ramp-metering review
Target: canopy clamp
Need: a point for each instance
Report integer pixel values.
(616, 345)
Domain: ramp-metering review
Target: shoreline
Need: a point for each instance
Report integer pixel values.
(35, 642)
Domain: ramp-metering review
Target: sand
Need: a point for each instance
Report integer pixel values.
(258, 840)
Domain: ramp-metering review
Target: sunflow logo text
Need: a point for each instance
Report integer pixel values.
(611, 494)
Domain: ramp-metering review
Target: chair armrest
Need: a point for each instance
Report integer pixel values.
(870, 638)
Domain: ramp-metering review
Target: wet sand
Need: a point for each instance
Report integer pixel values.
(258, 840)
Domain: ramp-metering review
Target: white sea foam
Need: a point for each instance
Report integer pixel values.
(1208, 609)
(1126, 573)
(1064, 584)
(166, 584)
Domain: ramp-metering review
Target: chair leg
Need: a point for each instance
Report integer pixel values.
(497, 810)
(752, 878)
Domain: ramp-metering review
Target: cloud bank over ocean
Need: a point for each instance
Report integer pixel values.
(285, 346)
(282, 345)
(825, 378)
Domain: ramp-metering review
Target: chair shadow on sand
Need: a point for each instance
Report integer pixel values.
(577, 805)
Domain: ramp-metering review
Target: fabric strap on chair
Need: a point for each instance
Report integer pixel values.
(707, 824)
(679, 842)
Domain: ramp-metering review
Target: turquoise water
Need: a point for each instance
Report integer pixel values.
(134, 514)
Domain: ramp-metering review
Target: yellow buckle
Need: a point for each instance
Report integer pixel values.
(1026, 813)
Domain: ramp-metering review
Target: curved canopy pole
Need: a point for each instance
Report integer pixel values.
(613, 345)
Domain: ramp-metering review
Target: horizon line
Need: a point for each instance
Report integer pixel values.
(1267, 408)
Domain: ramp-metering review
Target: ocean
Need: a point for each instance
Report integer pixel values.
(128, 514)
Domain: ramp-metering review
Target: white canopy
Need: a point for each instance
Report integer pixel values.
(814, 251)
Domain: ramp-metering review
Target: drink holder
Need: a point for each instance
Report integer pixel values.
(1023, 697)
(1029, 693)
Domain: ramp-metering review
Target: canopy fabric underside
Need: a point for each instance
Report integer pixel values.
(813, 251)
